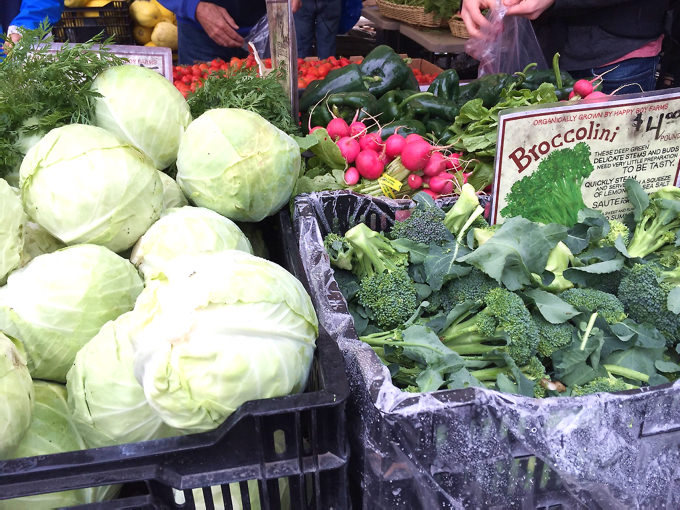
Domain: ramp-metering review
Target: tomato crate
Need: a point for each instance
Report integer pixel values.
(80, 24)
(288, 452)
(475, 447)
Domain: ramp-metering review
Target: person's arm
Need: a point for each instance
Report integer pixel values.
(34, 12)
(182, 8)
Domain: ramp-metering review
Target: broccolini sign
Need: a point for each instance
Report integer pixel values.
(553, 161)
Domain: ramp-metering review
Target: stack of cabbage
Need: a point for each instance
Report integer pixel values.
(125, 313)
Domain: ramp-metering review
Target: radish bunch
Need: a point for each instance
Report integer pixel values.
(431, 168)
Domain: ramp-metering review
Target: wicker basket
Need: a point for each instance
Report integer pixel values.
(411, 14)
(457, 26)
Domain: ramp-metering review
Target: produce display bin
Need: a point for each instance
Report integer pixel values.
(288, 452)
(80, 24)
(478, 448)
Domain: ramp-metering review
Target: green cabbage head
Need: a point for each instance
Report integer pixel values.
(236, 163)
(185, 231)
(224, 328)
(84, 185)
(59, 301)
(106, 401)
(12, 220)
(16, 395)
(172, 194)
(52, 431)
(143, 108)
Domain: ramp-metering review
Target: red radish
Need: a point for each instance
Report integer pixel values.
(583, 87)
(572, 94)
(415, 154)
(315, 128)
(435, 165)
(441, 184)
(384, 157)
(415, 181)
(394, 144)
(595, 95)
(453, 161)
(357, 128)
(413, 137)
(465, 176)
(337, 128)
(371, 141)
(431, 193)
(369, 165)
(352, 176)
(349, 148)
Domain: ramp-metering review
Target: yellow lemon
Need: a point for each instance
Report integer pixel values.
(166, 14)
(142, 34)
(145, 13)
(165, 34)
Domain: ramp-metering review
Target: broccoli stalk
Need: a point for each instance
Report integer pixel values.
(552, 193)
(559, 259)
(658, 223)
(339, 251)
(500, 322)
(464, 212)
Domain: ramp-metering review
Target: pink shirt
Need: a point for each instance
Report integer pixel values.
(651, 49)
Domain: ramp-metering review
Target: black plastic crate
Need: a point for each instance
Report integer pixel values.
(80, 24)
(478, 448)
(298, 440)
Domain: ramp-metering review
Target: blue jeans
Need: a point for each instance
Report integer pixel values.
(317, 19)
(194, 45)
(625, 76)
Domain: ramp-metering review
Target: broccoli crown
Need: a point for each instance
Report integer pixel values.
(389, 297)
(644, 294)
(552, 193)
(601, 384)
(616, 229)
(669, 256)
(424, 225)
(471, 287)
(373, 252)
(339, 251)
(502, 321)
(658, 223)
(552, 337)
(590, 300)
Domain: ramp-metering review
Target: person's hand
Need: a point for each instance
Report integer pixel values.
(11, 39)
(531, 9)
(295, 5)
(475, 21)
(218, 24)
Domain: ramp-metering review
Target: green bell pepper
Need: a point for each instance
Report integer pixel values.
(401, 126)
(384, 70)
(423, 106)
(446, 85)
(345, 79)
(347, 105)
(388, 105)
(438, 127)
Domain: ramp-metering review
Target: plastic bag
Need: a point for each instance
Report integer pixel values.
(259, 37)
(507, 46)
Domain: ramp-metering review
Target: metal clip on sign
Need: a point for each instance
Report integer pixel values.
(283, 45)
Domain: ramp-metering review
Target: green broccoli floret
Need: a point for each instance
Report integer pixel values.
(589, 300)
(616, 229)
(483, 234)
(668, 256)
(424, 225)
(385, 289)
(552, 337)
(601, 384)
(552, 193)
(500, 322)
(471, 287)
(464, 212)
(644, 293)
(373, 252)
(658, 223)
(339, 251)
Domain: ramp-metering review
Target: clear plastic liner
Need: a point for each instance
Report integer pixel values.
(478, 448)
